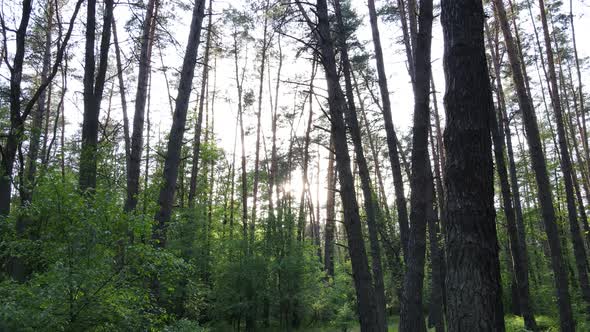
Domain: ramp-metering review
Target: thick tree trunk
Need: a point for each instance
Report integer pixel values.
(566, 166)
(172, 161)
(541, 175)
(368, 316)
(93, 91)
(394, 158)
(145, 65)
(473, 267)
(421, 182)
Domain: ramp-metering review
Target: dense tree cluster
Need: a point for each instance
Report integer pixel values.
(309, 205)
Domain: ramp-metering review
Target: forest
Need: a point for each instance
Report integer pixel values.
(294, 165)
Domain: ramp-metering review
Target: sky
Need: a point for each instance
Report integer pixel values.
(225, 107)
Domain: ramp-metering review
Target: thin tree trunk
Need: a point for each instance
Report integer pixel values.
(330, 213)
(263, 56)
(43, 106)
(473, 267)
(123, 96)
(304, 178)
(394, 159)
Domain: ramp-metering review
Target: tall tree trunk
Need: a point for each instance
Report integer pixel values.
(516, 244)
(93, 91)
(43, 105)
(566, 166)
(18, 113)
(394, 159)
(583, 131)
(330, 213)
(263, 56)
(421, 182)
(473, 267)
(172, 160)
(192, 191)
(305, 157)
(541, 175)
(123, 96)
(145, 65)
(368, 316)
(369, 200)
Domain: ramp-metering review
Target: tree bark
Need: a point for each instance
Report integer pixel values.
(516, 244)
(172, 160)
(541, 175)
(566, 166)
(394, 159)
(192, 191)
(421, 182)
(145, 65)
(39, 115)
(337, 105)
(369, 200)
(473, 267)
(93, 91)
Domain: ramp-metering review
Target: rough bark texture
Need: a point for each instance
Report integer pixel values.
(474, 301)
(172, 161)
(421, 182)
(394, 159)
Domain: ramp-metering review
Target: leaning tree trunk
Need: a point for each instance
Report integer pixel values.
(369, 198)
(172, 160)
(473, 268)
(192, 190)
(337, 105)
(517, 245)
(542, 177)
(400, 198)
(566, 167)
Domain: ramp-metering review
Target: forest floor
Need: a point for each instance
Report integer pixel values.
(513, 324)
